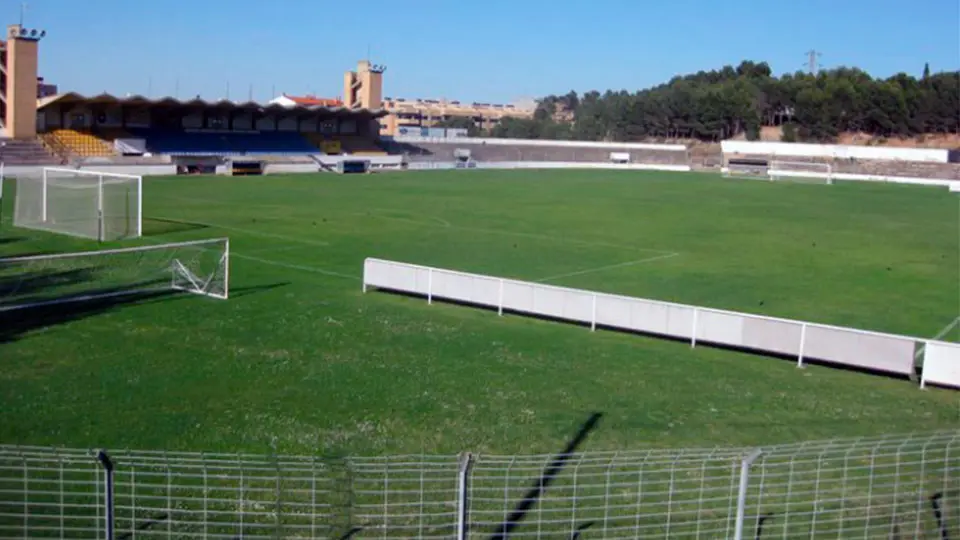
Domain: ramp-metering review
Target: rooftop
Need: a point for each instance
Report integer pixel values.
(75, 99)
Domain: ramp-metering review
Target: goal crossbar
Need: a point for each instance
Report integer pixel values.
(82, 172)
(198, 267)
(798, 170)
(89, 204)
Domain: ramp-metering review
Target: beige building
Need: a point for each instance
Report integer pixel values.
(363, 88)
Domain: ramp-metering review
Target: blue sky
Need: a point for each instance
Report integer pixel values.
(493, 51)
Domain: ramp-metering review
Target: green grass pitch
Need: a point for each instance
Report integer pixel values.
(300, 355)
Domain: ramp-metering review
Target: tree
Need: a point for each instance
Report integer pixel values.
(730, 101)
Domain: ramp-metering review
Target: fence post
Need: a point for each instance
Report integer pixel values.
(803, 341)
(108, 502)
(742, 492)
(923, 372)
(463, 476)
(430, 286)
(277, 490)
(693, 334)
(593, 316)
(500, 299)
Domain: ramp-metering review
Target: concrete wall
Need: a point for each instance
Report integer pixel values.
(621, 146)
(834, 151)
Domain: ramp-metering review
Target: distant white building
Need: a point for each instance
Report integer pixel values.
(305, 101)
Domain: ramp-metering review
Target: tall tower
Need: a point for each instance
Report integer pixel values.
(21, 78)
(363, 88)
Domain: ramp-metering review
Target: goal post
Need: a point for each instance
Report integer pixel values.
(800, 171)
(99, 205)
(200, 267)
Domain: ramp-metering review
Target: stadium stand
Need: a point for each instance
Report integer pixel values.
(360, 146)
(26, 152)
(78, 143)
(324, 144)
(223, 143)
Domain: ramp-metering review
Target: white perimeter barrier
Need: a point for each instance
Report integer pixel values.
(836, 151)
(954, 185)
(538, 142)
(445, 165)
(804, 340)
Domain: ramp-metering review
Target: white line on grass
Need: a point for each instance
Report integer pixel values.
(311, 269)
(272, 250)
(246, 231)
(439, 220)
(536, 236)
(440, 224)
(947, 328)
(608, 267)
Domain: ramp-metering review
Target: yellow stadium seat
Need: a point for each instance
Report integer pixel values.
(78, 143)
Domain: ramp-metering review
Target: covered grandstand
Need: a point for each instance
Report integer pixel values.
(72, 125)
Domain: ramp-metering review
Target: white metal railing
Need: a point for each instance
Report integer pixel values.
(885, 487)
(803, 340)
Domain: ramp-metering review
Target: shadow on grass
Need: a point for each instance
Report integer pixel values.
(15, 323)
(807, 360)
(505, 529)
(10, 239)
(153, 226)
(51, 307)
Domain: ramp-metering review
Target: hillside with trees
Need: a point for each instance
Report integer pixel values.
(740, 101)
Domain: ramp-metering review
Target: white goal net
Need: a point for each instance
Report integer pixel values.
(800, 171)
(200, 267)
(89, 204)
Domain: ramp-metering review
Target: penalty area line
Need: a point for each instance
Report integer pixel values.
(302, 268)
(947, 328)
(607, 267)
(249, 232)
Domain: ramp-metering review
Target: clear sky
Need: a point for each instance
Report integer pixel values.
(491, 51)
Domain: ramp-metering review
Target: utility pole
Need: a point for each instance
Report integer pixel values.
(813, 57)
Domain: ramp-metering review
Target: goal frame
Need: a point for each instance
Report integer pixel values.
(780, 169)
(177, 270)
(100, 175)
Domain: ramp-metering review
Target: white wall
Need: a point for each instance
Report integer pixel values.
(540, 142)
(805, 341)
(836, 151)
(420, 165)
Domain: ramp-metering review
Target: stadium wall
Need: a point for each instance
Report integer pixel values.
(801, 340)
(449, 165)
(942, 182)
(835, 151)
(537, 142)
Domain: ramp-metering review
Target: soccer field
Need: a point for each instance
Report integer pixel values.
(301, 356)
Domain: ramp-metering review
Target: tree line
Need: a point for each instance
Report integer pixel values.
(719, 104)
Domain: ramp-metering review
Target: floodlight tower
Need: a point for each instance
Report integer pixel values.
(20, 71)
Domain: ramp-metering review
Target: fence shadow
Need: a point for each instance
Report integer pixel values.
(11, 239)
(504, 530)
(14, 324)
(807, 360)
(240, 292)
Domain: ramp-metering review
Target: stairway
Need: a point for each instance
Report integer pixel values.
(25, 152)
